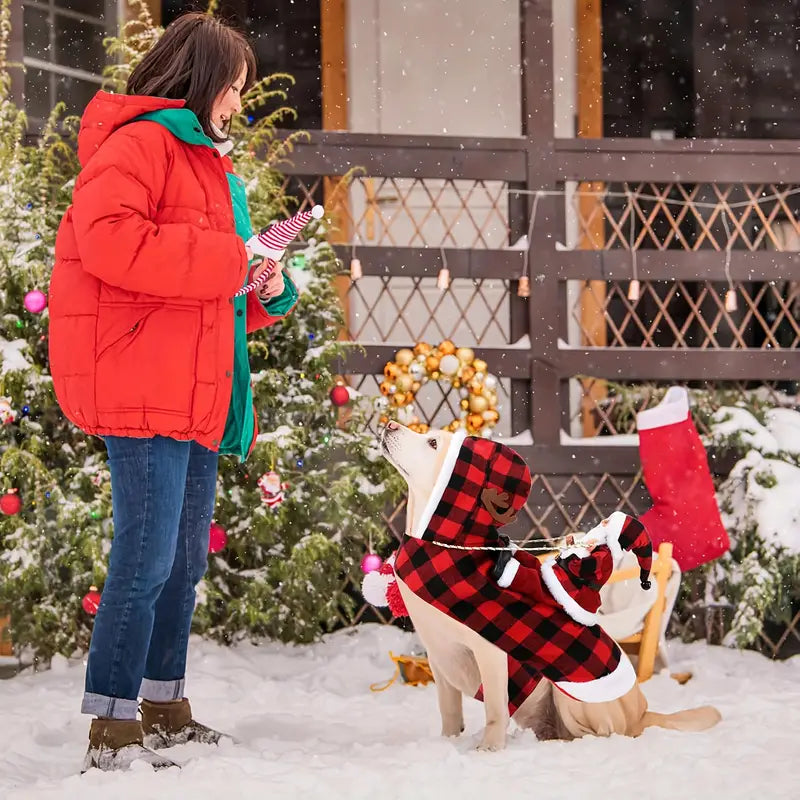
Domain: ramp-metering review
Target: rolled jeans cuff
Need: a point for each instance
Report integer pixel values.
(109, 707)
(162, 691)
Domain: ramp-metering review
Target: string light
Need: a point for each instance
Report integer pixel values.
(633, 288)
(730, 295)
(443, 279)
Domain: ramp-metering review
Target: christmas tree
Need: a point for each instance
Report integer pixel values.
(288, 557)
(56, 498)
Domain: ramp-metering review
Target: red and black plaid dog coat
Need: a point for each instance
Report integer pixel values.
(540, 639)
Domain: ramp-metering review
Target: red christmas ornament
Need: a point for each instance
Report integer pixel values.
(91, 601)
(340, 396)
(217, 538)
(10, 503)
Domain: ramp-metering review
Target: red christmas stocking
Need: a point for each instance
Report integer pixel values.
(678, 479)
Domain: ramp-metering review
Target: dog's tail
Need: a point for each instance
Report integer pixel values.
(692, 719)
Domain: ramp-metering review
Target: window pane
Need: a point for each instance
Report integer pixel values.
(79, 45)
(37, 93)
(36, 33)
(75, 93)
(95, 8)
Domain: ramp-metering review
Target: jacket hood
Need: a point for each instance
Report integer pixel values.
(108, 112)
(482, 486)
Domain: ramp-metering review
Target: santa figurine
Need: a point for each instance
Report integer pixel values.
(7, 413)
(272, 489)
(573, 580)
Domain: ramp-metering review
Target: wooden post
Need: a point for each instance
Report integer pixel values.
(545, 304)
(333, 49)
(589, 41)
(333, 53)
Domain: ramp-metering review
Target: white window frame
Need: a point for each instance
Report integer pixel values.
(108, 25)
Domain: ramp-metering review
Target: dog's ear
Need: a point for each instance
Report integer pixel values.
(497, 503)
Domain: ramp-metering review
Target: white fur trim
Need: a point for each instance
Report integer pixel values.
(560, 594)
(608, 533)
(509, 573)
(223, 148)
(442, 480)
(601, 690)
(374, 587)
(262, 250)
(673, 408)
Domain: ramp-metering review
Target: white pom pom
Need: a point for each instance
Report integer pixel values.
(373, 588)
(317, 212)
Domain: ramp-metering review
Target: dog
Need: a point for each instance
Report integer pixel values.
(527, 662)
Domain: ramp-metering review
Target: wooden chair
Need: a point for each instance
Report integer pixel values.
(645, 642)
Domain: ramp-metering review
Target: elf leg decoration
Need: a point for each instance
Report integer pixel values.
(678, 479)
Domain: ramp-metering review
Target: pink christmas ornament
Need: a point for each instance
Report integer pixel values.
(35, 301)
(371, 562)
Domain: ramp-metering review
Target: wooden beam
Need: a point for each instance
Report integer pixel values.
(398, 155)
(592, 236)
(425, 262)
(608, 265)
(680, 364)
(363, 359)
(682, 160)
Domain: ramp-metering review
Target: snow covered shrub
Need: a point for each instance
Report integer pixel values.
(760, 505)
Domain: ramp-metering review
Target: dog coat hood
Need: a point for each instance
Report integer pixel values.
(483, 484)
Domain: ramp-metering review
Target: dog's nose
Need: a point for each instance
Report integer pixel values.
(391, 425)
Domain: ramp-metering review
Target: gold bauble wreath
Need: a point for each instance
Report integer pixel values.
(413, 367)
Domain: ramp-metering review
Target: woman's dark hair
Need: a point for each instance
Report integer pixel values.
(196, 59)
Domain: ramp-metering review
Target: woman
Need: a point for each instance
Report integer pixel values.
(148, 351)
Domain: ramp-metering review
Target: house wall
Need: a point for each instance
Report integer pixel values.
(445, 68)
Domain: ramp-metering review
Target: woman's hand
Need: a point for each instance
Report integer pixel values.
(274, 286)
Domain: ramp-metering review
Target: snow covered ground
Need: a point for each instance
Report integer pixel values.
(311, 728)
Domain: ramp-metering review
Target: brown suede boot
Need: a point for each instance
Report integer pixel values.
(170, 723)
(114, 744)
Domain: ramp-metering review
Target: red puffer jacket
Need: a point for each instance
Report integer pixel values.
(147, 261)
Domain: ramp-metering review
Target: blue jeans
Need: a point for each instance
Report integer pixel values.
(162, 493)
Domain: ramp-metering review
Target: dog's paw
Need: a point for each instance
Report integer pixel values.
(494, 739)
(492, 745)
(452, 731)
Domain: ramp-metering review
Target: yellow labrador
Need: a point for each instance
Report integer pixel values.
(462, 660)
